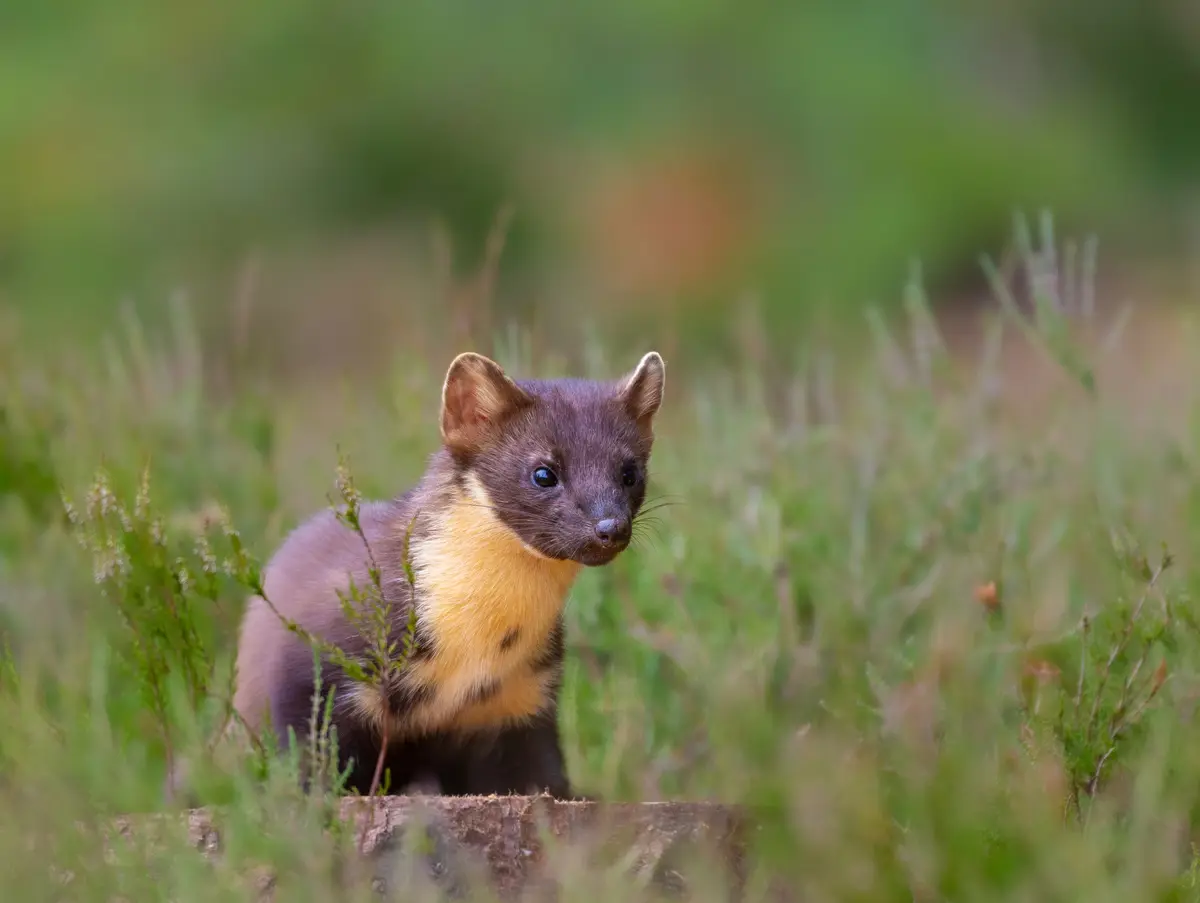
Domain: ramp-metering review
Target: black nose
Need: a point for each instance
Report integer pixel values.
(612, 531)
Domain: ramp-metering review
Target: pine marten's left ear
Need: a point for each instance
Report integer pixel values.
(641, 391)
(477, 396)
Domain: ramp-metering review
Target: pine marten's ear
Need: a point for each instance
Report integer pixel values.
(641, 391)
(476, 397)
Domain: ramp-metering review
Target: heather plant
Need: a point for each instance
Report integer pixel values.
(161, 585)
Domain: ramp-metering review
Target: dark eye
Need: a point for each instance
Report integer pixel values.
(545, 477)
(629, 474)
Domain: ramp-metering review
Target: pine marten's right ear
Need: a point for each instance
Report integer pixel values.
(641, 391)
(476, 397)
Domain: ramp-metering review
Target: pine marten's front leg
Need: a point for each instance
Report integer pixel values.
(521, 759)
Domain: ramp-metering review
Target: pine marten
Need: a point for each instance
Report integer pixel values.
(534, 480)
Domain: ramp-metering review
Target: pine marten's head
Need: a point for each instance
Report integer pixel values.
(562, 463)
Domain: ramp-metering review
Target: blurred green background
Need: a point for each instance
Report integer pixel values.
(660, 159)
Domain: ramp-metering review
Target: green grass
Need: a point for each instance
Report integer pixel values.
(812, 629)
